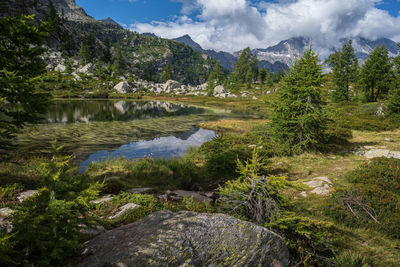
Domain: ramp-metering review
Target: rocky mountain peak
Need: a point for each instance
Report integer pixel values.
(186, 39)
(110, 21)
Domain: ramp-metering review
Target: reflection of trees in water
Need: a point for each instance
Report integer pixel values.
(92, 110)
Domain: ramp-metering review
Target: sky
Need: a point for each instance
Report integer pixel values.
(231, 25)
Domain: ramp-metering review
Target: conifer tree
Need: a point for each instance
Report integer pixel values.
(167, 73)
(270, 79)
(299, 122)
(376, 74)
(393, 106)
(242, 66)
(20, 51)
(262, 75)
(344, 65)
(84, 53)
(118, 63)
(216, 77)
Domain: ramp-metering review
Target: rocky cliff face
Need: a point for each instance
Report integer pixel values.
(70, 10)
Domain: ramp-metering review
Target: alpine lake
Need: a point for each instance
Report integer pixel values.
(97, 130)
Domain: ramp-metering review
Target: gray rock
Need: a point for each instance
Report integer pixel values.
(26, 194)
(186, 238)
(86, 69)
(123, 87)
(218, 90)
(171, 85)
(376, 153)
(6, 213)
(320, 185)
(106, 198)
(60, 67)
(95, 230)
(180, 194)
(139, 190)
(122, 210)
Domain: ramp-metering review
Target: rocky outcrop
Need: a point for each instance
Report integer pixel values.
(186, 238)
(319, 185)
(371, 152)
(219, 91)
(122, 87)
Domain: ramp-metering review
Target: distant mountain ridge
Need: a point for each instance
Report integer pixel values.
(284, 54)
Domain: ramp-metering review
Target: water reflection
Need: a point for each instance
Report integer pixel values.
(163, 147)
(92, 110)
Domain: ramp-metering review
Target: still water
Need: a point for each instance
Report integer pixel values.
(96, 130)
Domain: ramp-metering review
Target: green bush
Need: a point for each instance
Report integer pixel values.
(46, 226)
(221, 154)
(310, 241)
(373, 199)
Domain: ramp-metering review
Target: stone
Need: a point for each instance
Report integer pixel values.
(122, 210)
(186, 238)
(106, 198)
(254, 98)
(94, 230)
(320, 185)
(171, 85)
(26, 194)
(377, 153)
(60, 67)
(112, 178)
(6, 213)
(139, 190)
(122, 88)
(388, 140)
(180, 194)
(86, 69)
(218, 90)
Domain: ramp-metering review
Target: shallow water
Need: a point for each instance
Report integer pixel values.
(99, 129)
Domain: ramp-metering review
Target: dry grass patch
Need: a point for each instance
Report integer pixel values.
(378, 138)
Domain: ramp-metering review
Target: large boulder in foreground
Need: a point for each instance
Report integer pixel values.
(123, 87)
(186, 238)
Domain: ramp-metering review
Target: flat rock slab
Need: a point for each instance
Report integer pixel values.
(186, 238)
(122, 210)
(320, 185)
(377, 153)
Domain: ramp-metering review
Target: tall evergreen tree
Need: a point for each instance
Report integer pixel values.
(216, 77)
(107, 51)
(167, 74)
(299, 121)
(344, 65)
(242, 66)
(118, 66)
(84, 53)
(376, 74)
(20, 51)
(393, 106)
(262, 75)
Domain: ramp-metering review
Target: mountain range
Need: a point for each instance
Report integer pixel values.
(282, 55)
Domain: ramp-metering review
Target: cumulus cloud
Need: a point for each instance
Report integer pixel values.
(231, 25)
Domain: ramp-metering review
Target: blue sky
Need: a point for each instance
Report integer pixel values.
(231, 25)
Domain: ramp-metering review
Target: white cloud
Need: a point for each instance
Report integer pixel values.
(231, 25)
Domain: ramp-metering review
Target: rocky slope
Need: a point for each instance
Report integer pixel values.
(144, 56)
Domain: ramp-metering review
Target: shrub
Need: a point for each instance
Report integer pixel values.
(373, 199)
(254, 197)
(221, 154)
(46, 226)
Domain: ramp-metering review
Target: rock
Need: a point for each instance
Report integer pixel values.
(112, 178)
(187, 238)
(171, 85)
(60, 67)
(122, 88)
(388, 140)
(26, 194)
(254, 98)
(376, 153)
(86, 69)
(6, 213)
(180, 194)
(123, 210)
(320, 185)
(218, 90)
(95, 230)
(106, 198)
(380, 111)
(139, 190)
(76, 76)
